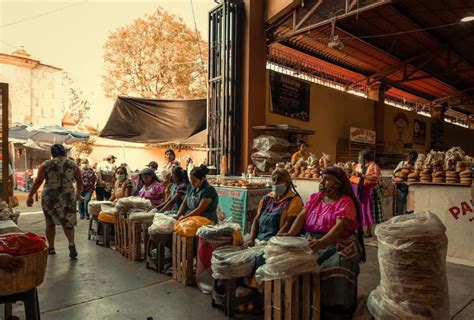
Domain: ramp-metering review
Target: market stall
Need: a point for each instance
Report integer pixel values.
(452, 203)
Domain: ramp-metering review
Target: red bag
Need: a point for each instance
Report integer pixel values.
(22, 244)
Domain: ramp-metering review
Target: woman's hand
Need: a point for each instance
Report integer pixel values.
(248, 243)
(30, 201)
(316, 245)
(283, 234)
(10, 263)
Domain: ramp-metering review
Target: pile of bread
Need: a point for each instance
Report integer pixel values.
(239, 183)
(309, 169)
(451, 167)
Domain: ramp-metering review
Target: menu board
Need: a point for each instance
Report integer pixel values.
(289, 96)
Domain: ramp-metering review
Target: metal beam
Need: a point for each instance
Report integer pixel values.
(445, 73)
(308, 15)
(327, 21)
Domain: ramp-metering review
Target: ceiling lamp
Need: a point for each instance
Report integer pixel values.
(467, 18)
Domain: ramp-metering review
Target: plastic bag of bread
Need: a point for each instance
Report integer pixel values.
(412, 258)
(188, 227)
(124, 205)
(162, 224)
(95, 207)
(140, 215)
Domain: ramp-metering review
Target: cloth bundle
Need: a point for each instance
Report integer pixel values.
(162, 224)
(141, 215)
(95, 207)
(412, 257)
(8, 214)
(221, 229)
(108, 208)
(188, 227)
(124, 205)
(231, 262)
(22, 244)
(286, 257)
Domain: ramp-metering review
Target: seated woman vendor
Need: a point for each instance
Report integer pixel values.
(302, 153)
(123, 186)
(201, 198)
(152, 188)
(277, 210)
(178, 189)
(332, 221)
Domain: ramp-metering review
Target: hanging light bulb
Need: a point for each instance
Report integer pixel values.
(468, 18)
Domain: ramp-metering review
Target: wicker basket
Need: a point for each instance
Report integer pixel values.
(29, 276)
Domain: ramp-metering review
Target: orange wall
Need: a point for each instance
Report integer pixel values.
(332, 113)
(137, 158)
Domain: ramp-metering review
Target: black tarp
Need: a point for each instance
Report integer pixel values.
(155, 121)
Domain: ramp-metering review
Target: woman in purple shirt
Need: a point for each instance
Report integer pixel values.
(152, 188)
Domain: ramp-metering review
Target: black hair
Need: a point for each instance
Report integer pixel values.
(367, 155)
(346, 189)
(200, 172)
(412, 155)
(181, 174)
(58, 150)
(122, 168)
(171, 151)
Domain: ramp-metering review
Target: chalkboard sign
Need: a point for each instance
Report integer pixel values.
(289, 96)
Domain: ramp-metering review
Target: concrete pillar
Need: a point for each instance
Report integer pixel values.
(253, 75)
(377, 94)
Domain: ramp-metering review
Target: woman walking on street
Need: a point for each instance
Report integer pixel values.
(58, 198)
(89, 178)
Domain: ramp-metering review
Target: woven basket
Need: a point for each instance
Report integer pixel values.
(29, 276)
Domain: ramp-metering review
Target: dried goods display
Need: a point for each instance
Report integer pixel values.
(239, 182)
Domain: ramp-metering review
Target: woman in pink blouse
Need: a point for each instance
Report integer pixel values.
(332, 223)
(152, 188)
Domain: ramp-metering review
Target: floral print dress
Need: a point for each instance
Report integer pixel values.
(58, 196)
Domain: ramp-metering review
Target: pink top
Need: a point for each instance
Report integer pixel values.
(321, 216)
(153, 190)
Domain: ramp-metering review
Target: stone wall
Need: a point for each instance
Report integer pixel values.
(35, 94)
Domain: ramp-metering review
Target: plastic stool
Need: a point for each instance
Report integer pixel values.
(30, 300)
(105, 233)
(158, 242)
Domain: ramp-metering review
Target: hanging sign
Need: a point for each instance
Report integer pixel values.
(362, 135)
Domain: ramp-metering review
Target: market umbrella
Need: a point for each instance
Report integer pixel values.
(46, 134)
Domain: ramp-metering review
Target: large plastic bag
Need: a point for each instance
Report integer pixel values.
(140, 215)
(108, 208)
(22, 244)
(265, 143)
(222, 229)
(231, 262)
(263, 160)
(95, 207)
(124, 205)
(188, 227)
(286, 257)
(162, 224)
(412, 257)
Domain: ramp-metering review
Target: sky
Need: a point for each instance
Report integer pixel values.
(72, 36)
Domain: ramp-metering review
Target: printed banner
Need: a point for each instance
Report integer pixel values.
(362, 135)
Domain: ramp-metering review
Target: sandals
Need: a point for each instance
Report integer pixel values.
(72, 251)
(51, 251)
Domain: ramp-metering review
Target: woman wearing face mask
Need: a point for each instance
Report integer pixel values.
(178, 189)
(365, 179)
(332, 221)
(201, 198)
(123, 185)
(277, 210)
(89, 178)
(152, 188)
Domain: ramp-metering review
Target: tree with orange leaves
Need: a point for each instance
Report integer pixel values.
(157, 56)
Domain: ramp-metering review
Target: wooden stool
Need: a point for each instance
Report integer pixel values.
(184, 252)
(296, 297)
(228, 299)
(105, 233)
(30, 301)
(158, 242)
